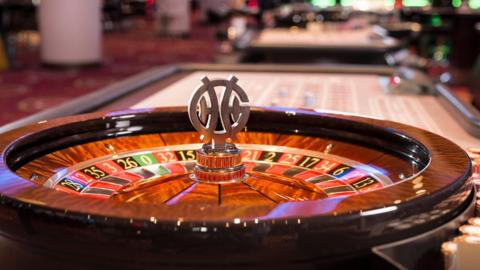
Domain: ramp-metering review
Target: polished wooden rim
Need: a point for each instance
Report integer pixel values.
(447, 172)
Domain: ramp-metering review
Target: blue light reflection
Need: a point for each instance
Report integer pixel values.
(290, 209)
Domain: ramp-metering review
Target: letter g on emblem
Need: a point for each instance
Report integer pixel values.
(218, 122)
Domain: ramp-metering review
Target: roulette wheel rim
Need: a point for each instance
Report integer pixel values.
(16, 148)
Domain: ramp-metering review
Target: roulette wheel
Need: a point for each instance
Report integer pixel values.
(200, 187)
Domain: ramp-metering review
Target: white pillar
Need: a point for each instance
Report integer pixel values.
(70, 31)
(173, 17)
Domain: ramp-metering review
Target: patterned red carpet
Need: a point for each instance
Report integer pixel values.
(32, 87)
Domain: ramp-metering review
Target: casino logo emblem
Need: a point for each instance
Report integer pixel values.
(218, 122)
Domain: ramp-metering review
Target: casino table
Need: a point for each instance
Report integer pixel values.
(337, 166)
(326, 42)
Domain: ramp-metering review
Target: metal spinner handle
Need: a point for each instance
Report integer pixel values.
(219, 160)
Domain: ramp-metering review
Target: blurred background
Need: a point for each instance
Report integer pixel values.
(52, 51)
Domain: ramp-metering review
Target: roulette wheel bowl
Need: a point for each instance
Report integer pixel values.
(429, 187)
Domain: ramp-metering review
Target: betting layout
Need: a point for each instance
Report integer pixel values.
(357, 94)
(312, 171)
(311, 38)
